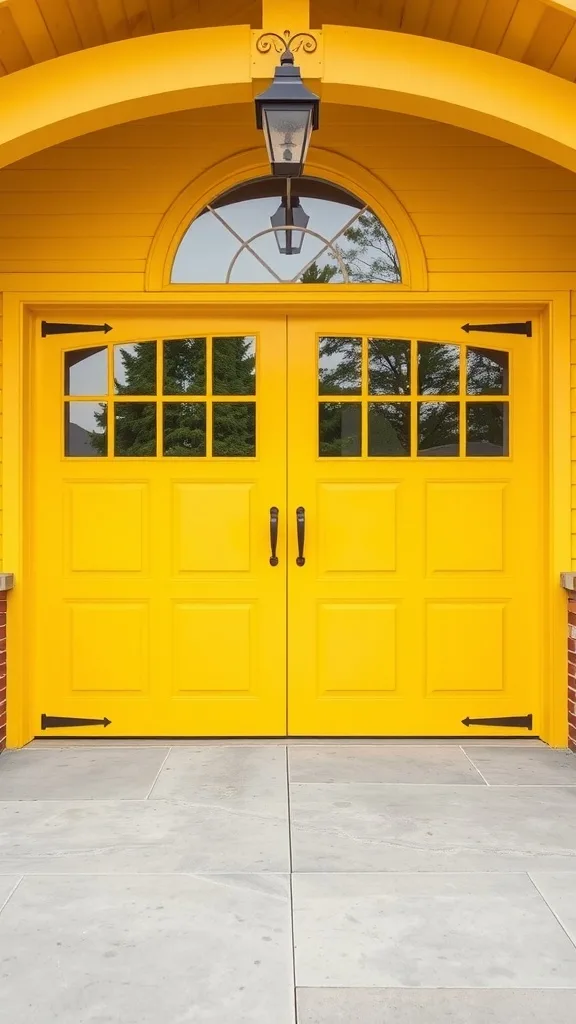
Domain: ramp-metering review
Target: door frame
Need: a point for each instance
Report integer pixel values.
(22, 310)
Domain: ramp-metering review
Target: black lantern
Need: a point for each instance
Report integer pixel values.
(289, 217)
(287, 112)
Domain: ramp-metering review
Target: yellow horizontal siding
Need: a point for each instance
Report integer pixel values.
(92, 205)
(81, 216)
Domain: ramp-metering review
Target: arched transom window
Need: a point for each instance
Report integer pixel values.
(269, 230)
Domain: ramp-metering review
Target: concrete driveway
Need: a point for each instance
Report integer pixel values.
(323, 882)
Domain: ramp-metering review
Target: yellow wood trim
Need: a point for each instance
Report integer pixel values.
(568, 6)
(14, 514)
(557, 325)
(425, 77)
(120, 82)
(442, 81)
(293, 14)
(21, 308)
(252, 163)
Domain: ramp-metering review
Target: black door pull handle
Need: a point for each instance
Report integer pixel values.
(301, 533)
(274, 513)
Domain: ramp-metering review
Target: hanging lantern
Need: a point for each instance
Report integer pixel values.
(287, 113)
(288, 218)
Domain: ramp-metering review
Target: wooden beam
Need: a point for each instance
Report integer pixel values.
(33, 29)
(291, 14)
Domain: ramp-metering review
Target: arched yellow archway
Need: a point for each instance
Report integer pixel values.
(96, 88)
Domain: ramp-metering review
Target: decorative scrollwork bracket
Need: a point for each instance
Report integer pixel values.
(306, 44)
(286, 43)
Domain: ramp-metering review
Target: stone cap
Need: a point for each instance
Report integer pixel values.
(568, 580)
(6, 580)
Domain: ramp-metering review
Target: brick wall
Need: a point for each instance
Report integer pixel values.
(3, 669)
(572, 672)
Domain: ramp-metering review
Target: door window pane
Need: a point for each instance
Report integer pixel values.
(135, 368)
(234, 429)
(438, 368)
(185, 366)
(340, 366)
(438, 428)
(85, 429)
(389, 428)
(487, 429)
(135, 428)
(86, 371)
(185, 428)
(234, 366)
(486, 371)
(388, 367)
(340, 429)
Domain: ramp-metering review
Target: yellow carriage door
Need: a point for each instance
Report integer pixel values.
(415, 473)
(158, 457)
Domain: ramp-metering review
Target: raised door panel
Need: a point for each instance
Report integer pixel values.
(465, 646)
(211, 527)
(465, 526)
(357, 527)
(108, 647)
(357, 648)
(106, 526)
(213, 649)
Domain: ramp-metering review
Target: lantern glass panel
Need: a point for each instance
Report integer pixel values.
(287, 132)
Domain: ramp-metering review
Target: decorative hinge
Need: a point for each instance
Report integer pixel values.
(522, 328)
(52, 722)
(514, 722)
(49, 328)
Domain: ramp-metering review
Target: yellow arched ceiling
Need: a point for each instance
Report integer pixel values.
(540, 33)
(156, 74)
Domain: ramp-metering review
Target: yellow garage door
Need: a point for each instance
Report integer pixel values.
(157, 459)
(252, 527)
(415, 458)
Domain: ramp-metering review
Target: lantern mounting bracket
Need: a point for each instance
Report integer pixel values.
(300, 40)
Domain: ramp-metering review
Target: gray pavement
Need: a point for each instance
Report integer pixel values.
(268, 882)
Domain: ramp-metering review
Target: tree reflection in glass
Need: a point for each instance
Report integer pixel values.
(340, 429)
(438, 368)
(486, 371)
(185, 428)
(487, 429)
(85, 429)
(389, 428)
(438, 428)
(134, 429)
(234, 366)
(340, 366)
(185, 366)
(388, 367)
(135, 368)
(234, 429)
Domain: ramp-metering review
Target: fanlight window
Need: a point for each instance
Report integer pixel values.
(265, 230)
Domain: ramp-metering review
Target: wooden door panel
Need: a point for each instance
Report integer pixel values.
(154, 473)
(419, 465)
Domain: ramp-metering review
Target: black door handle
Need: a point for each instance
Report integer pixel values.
(301, 533)
(274, 512)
